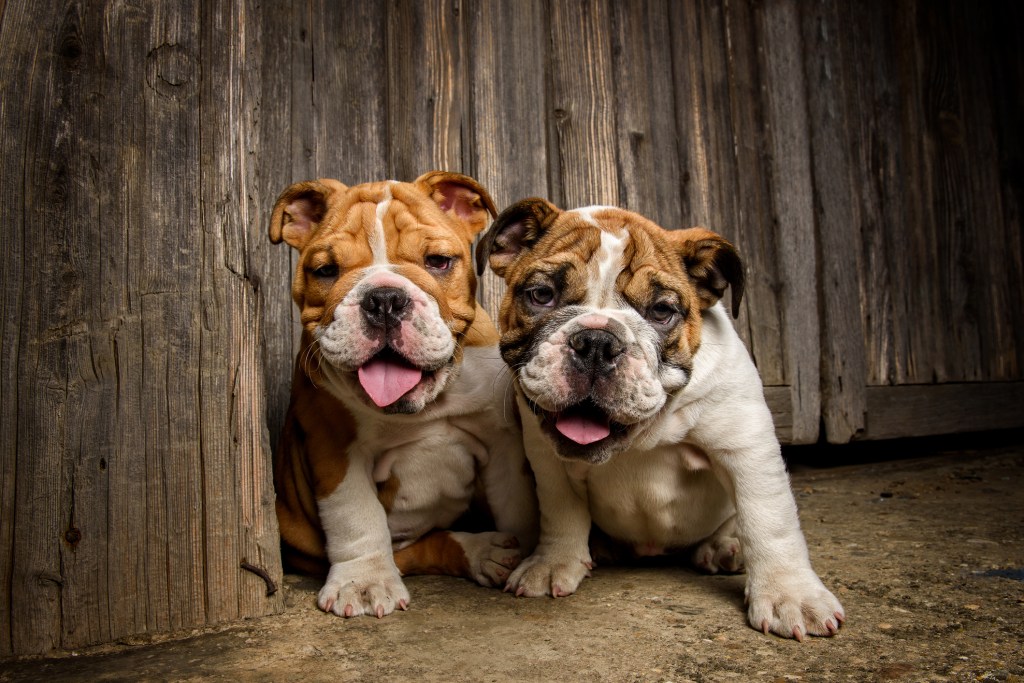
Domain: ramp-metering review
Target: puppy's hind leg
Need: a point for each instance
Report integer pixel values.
(719, 552)
(487, 558)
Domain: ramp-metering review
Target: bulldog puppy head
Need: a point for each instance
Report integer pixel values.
(384, 282)
(602, 317)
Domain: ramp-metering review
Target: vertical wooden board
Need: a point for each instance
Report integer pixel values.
(744, 155)
(48, 330)
(425, 87)
(1008, 70)
(988, 274)
(692, 70)
(904, 230)
(92, 374)
(875, 154)
(506, 141)
(582, 97)
(282, 84)
(349, 91)
(958, 354)
(259, 541)
(20, 32)
(133, 576)
(170, 286)
(844, 372)
(645, 111)
(792, 188)
(221, 245)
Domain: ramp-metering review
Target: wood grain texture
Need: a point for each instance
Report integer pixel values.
(844, 362)
(507, 149)
(645, 113)
(426, 90)
(134, 502)
(792, 197)
(583, 101)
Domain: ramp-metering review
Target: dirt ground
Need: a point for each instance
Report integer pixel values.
(925, 552)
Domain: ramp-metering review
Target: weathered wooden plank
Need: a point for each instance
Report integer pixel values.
(121, 190)
(426, 89)
(699, 206)
(927, 409)
(238, 521)
(645, 113)
(844, 372)
(745, 179)
(792, 188)
(348, 96)
(506, 137)
(280, 102)
(582, 96)
(50, 333)
(876, 91)
(1008, 69)
(982, 238)
(21, 32)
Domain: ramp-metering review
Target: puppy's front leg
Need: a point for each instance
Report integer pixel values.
(363, 578)
(562, 558)
(784, 594)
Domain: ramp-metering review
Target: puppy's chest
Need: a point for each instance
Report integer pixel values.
(655, 498)
(424, 474)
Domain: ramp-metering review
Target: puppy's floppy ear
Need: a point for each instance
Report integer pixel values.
(517, 228)
(299, 210)
(712, 263)
(460, 197)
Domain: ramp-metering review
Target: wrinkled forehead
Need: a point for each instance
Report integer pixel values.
(383, 213)
(611, 242)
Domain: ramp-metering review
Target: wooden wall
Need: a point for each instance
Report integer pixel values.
(865, 157)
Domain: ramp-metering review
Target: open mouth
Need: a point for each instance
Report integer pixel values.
(584, 423)
(388, 377)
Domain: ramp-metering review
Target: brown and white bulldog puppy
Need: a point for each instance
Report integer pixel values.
(642, 410)
(398, 415)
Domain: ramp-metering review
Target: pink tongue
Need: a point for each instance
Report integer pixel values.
(386, 381)
(582, 429)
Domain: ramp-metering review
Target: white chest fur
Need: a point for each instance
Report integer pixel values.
(431, 460)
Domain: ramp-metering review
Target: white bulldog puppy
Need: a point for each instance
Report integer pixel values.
(642, 411)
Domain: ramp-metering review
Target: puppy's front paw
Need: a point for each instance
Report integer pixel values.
(793, 605)
(491, 555)
(368, 585)
(548, 574)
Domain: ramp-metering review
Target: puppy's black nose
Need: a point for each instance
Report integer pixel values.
(385, 306)
(597, 350)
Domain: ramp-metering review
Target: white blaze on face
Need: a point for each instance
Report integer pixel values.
(378, 244)
(605, 266)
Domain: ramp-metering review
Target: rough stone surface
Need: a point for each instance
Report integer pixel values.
(926, 555)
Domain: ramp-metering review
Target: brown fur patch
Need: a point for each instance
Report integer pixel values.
(435, 553)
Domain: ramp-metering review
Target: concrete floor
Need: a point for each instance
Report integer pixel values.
(926, 553)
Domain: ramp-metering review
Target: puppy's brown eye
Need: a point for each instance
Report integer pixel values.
(541, 296)
(326, 271)
(661, 312)
(438, 262)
